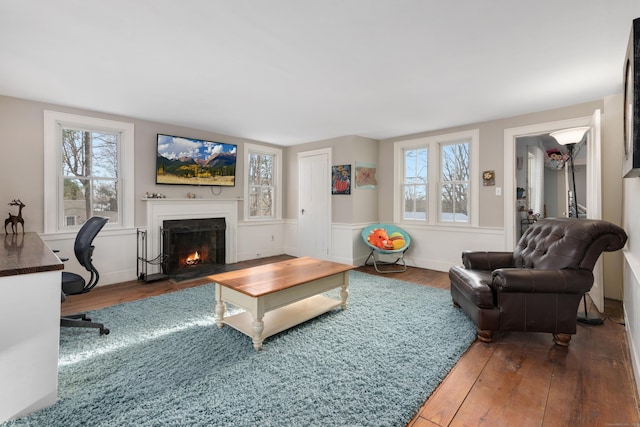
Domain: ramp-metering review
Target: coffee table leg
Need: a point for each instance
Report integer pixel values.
(344, 294)
(220, 309)
(258, 328)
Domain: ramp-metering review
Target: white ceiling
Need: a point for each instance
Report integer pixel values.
(294, 71)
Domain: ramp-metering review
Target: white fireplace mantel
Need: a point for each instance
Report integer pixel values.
(159, 210)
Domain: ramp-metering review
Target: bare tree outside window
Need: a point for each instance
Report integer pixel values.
(261, 185)
(90, 173)
(454, 182)
(415, 184)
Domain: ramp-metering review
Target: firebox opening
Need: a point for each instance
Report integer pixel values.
(191, 246)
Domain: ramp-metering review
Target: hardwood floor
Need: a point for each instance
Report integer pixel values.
(521, 379)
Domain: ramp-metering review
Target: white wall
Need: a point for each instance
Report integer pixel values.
(22, 177)
(612, 187)
(491, 157)
(435, 248)
(261, 239)
(21, 127)
(631, 268)
(114, 255)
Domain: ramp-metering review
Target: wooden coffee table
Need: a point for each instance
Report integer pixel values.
(280, 295)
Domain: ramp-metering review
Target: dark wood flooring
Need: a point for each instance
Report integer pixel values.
(521, 379)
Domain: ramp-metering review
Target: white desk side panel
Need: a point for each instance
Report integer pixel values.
(29, 340)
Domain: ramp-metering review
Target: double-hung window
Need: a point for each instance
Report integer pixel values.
(90, 173)
(87, 162)
(263, 182)
(434, 177)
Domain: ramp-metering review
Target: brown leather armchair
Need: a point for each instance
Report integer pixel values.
(538, 286)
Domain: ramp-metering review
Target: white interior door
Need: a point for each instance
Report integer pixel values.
(314, 203)
(594, 199)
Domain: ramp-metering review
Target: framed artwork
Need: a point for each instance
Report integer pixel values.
(366, 176)
(631, 113)
(488, 178)
(341, 179)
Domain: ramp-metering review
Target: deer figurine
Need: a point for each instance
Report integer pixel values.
(15, 219)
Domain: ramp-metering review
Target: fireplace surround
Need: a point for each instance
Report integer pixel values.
(160, 210)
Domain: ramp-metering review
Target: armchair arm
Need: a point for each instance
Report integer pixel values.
(475, 260)
(529, 280)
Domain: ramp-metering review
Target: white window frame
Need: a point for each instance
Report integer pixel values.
(441, 181)
(54, 218)
(433, 144)
(277, 179)
(427, 184)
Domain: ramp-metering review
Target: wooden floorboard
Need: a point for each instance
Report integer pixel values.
(521, 379)
(444, 403)
(511, 389)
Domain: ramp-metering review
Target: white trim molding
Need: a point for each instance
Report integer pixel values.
(52, 159)
(159, 210)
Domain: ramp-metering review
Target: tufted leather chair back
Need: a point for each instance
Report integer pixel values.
(557, 243)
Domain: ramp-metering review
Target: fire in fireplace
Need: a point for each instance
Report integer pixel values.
(193, 259)
(191, 246)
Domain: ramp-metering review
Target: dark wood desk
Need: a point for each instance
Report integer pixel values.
(25, 254)
(30, 277)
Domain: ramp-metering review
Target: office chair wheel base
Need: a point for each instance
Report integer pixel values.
(104, 331)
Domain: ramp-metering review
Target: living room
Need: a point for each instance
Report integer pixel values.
(26, 96)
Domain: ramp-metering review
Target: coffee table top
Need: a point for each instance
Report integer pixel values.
(269, 278)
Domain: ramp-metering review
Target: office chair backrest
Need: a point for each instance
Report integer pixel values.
(82, 247)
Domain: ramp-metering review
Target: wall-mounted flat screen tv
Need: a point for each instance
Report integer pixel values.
(190, 161)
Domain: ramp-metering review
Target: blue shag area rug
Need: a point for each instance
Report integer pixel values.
(166, 363)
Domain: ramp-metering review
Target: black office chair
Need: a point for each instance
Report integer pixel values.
(74, 284)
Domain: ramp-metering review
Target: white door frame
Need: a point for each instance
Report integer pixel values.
(594, 194)
(326, 203)
(594, 200)
(510, 136)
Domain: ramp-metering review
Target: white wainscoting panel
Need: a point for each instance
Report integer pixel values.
(436, 248)
(440, 248)
(259, 239)
(291, 237)
(432, 247)
(347, 245)
(114, 255)
(631, 305)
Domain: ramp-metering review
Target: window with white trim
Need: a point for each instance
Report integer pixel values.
(435, 178)
(263, 182)
(87, 163)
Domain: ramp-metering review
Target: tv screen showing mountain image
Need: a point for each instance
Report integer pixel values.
(189, 161)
